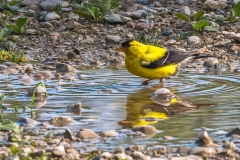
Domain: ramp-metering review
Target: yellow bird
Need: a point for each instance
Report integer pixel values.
(153, 62)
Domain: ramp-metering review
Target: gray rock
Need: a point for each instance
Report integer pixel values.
(71, 25)
(185, 10)
(126, 19)
(33, 7)
(13, 157)
(62, 67)
(210, 62)
(110, 133)
(68, 135)
(40, 143)
(40, 92)
(50, 4)
(59, 151)
(228, 145)
(51, 16)
(27, 122)
(203, 151)
(193, 40)
(205, 140)
(123, 156)
(237, 37)
(73, 17)
(147, 130)
(86, 134)
(214, 4)
(138, 155)
(31, 13)
(145, 2)
(66, 145)
(190, 157)
(47, 25)
(61, 121)
(106, 155)
(141, 26)
(113, 39)
(30, 2)
(136, 14)
(75, 107)
(148, 9)
(235, 131)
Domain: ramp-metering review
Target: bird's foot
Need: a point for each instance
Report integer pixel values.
(146, 82)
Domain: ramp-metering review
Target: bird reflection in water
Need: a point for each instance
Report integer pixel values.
(148, 106)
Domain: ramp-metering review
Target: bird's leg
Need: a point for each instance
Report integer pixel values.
(161, 82)
(146, 82)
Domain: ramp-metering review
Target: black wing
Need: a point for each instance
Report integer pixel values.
(171, 56)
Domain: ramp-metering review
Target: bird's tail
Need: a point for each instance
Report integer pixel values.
(198, 56)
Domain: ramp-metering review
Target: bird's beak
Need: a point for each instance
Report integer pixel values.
(120, 49)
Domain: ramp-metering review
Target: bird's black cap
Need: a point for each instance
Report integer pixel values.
(126, 44)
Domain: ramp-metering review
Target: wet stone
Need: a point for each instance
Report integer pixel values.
(203, 151)
(106, 155)
(204, 139)
(138, 155)
(147, 130)
(62, 67)
(68, 135)
(61, 121)
(167, 32)
(228, 145)
(86, 134)
(210, 62)
(27, 121)
(110, 133)
(183, 151)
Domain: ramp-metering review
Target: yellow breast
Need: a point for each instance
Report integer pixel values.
(133, 66)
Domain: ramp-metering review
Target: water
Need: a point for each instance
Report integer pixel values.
(114, 99)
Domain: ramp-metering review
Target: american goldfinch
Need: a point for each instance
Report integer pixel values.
(153, 62)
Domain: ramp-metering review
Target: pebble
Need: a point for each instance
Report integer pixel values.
(86, 134)
(162, 96)
(203, 151)
(234, 131)
(214, 4)
(113, 39)
(110, 133)
(51, 16)
(210, 62)
(185, 10)
(193, 40)
(68, 135)
(62, 67)
(147, 130)
(138, 155)
(219, 12)
(59, 151)
(40, 92)
(50, 4)
(167, 32)
(61, 121)
(135, 14)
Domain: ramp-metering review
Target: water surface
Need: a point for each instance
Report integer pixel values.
(115, 99)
